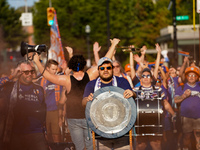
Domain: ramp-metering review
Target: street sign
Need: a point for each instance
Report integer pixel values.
(198, 6)
(27, 19)
(179, 18)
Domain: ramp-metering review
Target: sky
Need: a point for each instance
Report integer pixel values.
(18, 3)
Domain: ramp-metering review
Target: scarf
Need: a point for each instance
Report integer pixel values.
(98, 83)
(10, 116)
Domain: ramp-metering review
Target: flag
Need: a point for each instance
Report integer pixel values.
(56, 50)
(183, 53)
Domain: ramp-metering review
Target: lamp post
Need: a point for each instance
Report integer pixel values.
(175, 37)
(87, 31)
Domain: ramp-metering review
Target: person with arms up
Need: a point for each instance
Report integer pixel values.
(25, 111)
(144, 92)
(52, 97)
(75, 85)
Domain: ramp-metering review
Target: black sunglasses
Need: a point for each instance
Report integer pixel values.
(108, 68)
(28, 71)
(146, 76)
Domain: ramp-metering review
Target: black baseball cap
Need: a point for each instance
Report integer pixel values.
(146, 70)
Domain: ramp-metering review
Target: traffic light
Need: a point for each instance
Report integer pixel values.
(11, 57)
(50, 16)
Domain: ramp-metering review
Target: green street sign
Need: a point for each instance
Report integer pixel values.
(179, 18)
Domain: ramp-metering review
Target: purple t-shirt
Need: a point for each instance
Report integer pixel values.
(121, 82)
(190, 107)
(29, 110)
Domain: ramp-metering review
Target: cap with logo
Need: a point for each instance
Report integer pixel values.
(103, 60)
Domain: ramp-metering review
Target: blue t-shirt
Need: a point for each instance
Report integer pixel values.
(190, 107)
(121, 82)
(52, 95)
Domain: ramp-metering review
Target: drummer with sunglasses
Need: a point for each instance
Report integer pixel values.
(149, 91)
(106, 78)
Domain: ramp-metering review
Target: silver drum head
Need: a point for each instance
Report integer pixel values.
(110, 115)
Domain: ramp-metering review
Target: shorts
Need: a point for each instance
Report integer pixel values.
(190, 124)
(52, 122)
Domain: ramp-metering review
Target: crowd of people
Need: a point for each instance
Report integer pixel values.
(33, 110)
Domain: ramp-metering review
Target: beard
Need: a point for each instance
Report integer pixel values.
(107, 78)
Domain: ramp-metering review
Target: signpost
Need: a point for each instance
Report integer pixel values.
(198, 6)
(198, 11)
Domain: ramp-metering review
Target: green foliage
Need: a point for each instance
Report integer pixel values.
(135, 22)
(185, 7)
(11, 25)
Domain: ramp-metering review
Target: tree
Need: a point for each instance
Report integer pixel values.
(135, 22)
(10, 25)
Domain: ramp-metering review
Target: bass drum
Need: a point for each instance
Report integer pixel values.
(149, 117)
(110, 115)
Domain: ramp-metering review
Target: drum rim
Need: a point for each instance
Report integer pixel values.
(130, 123)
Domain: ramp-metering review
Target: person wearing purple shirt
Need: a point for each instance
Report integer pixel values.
(52, 96)
(106, 78)
(25, 116)
(189, 98)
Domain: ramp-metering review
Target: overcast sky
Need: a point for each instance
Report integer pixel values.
(18, 3)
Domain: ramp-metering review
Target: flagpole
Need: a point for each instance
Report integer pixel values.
(50, 4)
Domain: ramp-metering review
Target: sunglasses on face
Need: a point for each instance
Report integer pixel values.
(146, 76)
(191, 75)
(108, 68)
(28, 71)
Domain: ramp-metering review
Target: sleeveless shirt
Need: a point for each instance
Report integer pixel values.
(74, 108)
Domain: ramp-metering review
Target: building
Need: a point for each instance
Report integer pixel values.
(187, 39)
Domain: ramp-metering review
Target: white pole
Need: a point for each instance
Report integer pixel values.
(26, 9)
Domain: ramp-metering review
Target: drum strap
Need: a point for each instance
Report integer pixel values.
(140, 88)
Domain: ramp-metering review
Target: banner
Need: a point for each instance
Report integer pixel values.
(183, 53)
(56, 50)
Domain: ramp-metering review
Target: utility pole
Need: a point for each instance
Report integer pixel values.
(175, 37)
(26, 9)
(108, 23)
